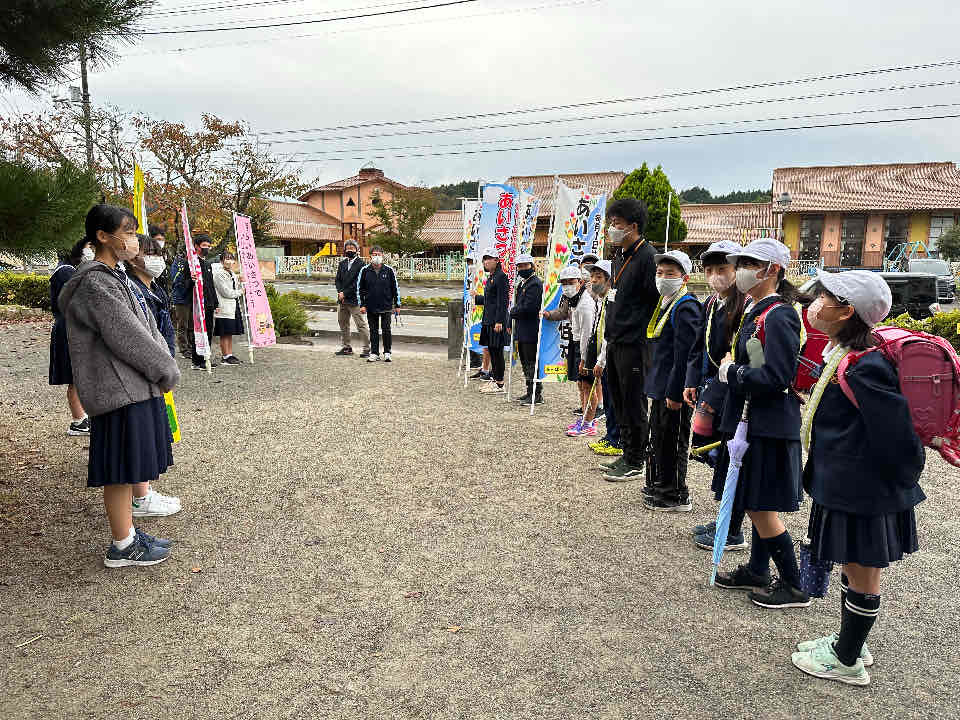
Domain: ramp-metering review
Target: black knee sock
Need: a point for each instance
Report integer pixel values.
(859, 614)
(759, 556)
(844, 586)
(736, 523)
(782, 552)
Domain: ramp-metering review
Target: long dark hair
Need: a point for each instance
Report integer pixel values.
(855, 333)
(790, 292)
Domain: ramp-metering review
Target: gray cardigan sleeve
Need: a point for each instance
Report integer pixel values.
(106, 308)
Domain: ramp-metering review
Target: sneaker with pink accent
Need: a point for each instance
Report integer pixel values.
(574, 424)
(576, 430)
(590, 430)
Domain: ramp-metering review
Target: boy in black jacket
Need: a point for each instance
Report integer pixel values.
(348, 300)
(210, 301)
(493, 331)
(525, 315)
(673, 330)
(379, 295)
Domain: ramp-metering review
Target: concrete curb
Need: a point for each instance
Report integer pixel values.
(415, 339)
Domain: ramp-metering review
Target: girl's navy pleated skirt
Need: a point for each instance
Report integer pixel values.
(769, 478)
(130, 445)
(61, 371)
(870, 540)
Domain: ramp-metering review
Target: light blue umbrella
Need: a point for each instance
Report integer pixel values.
(736, 448)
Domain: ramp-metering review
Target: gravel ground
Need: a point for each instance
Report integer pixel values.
(349, 548)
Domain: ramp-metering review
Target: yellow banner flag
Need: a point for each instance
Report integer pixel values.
(139, 201)
(172, 416)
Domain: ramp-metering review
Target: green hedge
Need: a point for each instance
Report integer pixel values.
(942, 324)
(289, 317)
(27, 290)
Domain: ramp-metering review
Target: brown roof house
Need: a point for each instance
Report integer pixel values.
(858, 215)
(301, 228)
(711, 222)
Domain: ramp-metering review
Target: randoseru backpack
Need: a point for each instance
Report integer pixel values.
(812, 343)
(929, 373)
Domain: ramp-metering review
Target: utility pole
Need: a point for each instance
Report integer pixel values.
(85, 99)
(666, 235)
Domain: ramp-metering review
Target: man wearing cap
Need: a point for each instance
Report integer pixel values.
(630, 306)
(348, 299)
(525, 315)
(672, 333)
(493, 331)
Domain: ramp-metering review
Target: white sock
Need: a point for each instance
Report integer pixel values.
(125, 543)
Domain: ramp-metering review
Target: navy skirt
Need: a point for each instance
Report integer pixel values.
(226, 326)
(61, 371)
(769, 478)
(491, 339)
(132, 444)
(870, 540)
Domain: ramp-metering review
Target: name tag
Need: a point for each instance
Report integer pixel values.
(612, 295)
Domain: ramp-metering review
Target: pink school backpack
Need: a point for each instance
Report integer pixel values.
(929, 373)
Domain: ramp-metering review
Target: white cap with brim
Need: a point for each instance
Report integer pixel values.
(676, 256)
(489, 252)
(525, 258)
(765, 250)
(721, 248)
(866, 291)
(570, 272)
(603, 265)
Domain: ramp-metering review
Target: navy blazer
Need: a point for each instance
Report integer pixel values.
(671, 351)
(866, 461)
(526, 309)
(496, 293)
(699, 366)
(774, 408)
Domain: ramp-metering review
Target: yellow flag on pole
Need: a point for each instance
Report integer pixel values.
(172, 416)
(139, 200)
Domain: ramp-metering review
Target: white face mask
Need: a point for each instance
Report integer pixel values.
(376, 259)
(585, 274)
(616, 236)
(720, 283)
(748, 279)
(87, 255)
(669, 286)
(154, 265)
(569, 290)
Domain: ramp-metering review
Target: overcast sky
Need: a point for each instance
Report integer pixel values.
(491, 55)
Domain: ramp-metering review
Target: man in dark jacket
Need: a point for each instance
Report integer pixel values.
(525, 315)
(379, 295)
(182, 299)
(202, 243)
(493, 330)
(630, 306)
(348, 299)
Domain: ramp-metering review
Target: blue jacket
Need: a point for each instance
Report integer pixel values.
(180, 281)
(159, 305)
(526, 309)
(377, 289)
(704, 362)
(866, 461)
(774, 408)
(670, 352)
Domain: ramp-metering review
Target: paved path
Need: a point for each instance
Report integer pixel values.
(372, 541)
(429, 326)
(327, 289)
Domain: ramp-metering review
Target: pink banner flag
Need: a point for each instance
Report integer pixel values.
(193, 263)
(259, 317)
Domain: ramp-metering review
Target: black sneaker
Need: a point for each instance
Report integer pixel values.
(80, 428)
(600, 413)
(232, 360)
(660, 505)
(539, 400)
(578, 410)
(780, 595)
(479, 375)
(364, 354)
(139, 552)
(151, 540)
(345, 351)
(525, 399)
(742, 579)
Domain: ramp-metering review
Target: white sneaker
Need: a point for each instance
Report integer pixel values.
(822, 662)
(491, 388)
(373, 358)
(386, 357)
(156, 505)
(809, 645)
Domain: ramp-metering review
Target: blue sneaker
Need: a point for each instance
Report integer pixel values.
(734, 542)
(136, 553)
(151, 540)
(703, 529)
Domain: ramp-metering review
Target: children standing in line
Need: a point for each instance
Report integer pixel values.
(228, 318)
(594, 347)
(122, 367)
(673, 331)
(379, 296)
(61, 371)
(769, 480)
(525, 315)
(722, 313)
(862, 470)
(493, 332)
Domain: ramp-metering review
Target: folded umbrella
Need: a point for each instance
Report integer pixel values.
(736, 448)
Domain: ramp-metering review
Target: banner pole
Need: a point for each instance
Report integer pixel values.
(536, 364)
(513, 331)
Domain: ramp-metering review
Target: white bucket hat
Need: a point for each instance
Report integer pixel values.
(866, 291)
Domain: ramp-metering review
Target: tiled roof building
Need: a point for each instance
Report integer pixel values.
(740, 222)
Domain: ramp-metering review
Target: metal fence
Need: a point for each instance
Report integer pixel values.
(449, 267)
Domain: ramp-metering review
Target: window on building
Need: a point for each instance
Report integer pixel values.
(896, 230)
(852, 235)
(939, 224)
(351, 203)
(811, 236)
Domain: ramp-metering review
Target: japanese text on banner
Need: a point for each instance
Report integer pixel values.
(260, 319)
(201, 342)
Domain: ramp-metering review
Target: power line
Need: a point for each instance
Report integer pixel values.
(450, 3)
(207, 7)
(645, 98)
(862, 111)
(757, 131)
(299, 15)
(633, 113)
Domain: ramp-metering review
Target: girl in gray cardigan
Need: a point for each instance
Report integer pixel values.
(121, 368)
